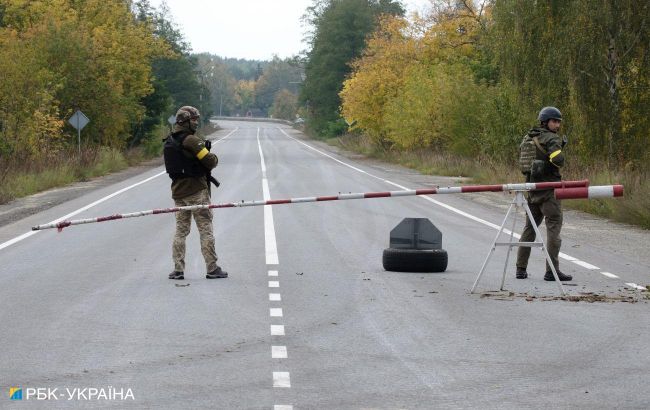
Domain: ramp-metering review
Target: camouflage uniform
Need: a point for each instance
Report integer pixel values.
(203, 220)
(543, 203)
(193, 191)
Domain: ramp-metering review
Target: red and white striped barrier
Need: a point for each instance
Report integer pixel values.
(431, 191)
(605, 191)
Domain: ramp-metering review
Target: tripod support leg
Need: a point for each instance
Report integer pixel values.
(492, 249)
(512, 233)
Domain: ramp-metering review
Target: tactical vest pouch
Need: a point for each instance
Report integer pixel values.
(528, 153)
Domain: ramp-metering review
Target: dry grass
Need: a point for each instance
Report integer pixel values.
(20, 177)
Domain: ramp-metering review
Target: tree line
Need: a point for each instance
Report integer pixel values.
(240, 87)
(470, 76)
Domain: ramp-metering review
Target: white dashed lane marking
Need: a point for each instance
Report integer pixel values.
(278, 352)
(277, 330)
(273, 273)
(585, 265)
(274, 284)
(275, 297)
(609, 275)
(281, 379)
(276, 312)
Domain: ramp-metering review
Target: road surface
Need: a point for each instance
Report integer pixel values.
(308, 318)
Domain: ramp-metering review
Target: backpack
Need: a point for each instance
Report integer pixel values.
(528, 152)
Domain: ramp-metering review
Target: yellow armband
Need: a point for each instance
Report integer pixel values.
(202, 154)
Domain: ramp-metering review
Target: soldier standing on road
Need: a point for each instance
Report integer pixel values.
(188, 161)
(545, 168)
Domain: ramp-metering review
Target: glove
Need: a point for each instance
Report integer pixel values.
(565, 140)
(208, 144)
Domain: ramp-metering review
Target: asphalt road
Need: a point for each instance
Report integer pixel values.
(308, 318)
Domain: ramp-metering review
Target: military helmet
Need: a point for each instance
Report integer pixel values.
(548, 113)
(186, 113)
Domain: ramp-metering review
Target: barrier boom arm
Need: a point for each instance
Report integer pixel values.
(367, 195)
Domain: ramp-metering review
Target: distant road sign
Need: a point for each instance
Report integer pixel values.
(78, 120)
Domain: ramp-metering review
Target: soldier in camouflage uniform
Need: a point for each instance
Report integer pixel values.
(188, 161)
(546, 168)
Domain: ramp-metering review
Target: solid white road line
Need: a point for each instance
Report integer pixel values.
(275, 297)
(80, 210)
(275, 312)
(450, 208)
(277, 330)
(281, 379)
(278, 352)
(269, 229)
(85, 208)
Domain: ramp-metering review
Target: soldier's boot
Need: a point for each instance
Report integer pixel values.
(563, 278)
(521, 273)
(218, 273)
(176, 275)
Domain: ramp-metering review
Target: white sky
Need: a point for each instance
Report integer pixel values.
(250, 29)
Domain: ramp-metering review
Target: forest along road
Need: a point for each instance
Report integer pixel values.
(308, 317)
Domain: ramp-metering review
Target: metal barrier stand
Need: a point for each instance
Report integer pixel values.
(518, 201)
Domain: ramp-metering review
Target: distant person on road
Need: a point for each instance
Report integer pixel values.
(188, 161)
(545, 168)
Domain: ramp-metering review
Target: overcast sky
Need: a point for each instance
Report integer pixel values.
(250, 29)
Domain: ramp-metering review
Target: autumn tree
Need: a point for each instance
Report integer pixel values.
(339, 35)
(378, 75)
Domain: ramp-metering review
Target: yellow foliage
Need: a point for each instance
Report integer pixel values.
(378, 75)
(245, 95)
(402, 91)
(60, 55)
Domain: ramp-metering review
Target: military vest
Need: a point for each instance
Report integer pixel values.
(177, 163)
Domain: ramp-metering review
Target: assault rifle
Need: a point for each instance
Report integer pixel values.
(212, 179)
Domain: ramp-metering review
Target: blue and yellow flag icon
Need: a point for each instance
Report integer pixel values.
(15, 393)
